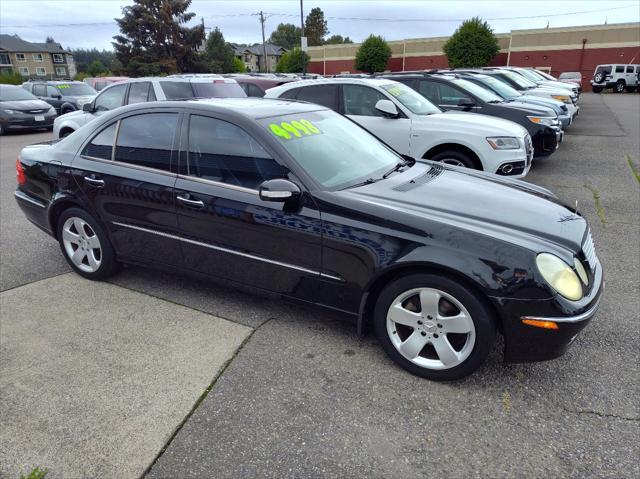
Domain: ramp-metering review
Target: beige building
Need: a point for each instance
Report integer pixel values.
(253, 56)
(35, 61)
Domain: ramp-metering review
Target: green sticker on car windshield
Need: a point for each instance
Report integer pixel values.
(288, 130)
(396, 90)
(62, 86)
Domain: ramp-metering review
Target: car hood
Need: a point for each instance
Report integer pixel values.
(556, 84)
(25, 105)
(80, 98)
(482, 124)
(503, 208)
(528, 108)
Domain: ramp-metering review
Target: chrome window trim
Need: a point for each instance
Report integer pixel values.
(227, 250)
(568, 319)
(219, 183)
(129, 165)
(27, 198)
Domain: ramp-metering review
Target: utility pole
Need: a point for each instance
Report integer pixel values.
(264, 45)
(302, 42)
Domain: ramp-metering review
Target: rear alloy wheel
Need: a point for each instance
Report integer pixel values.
(85, 245)
(619, 88)
(434, 327)
(455, 158)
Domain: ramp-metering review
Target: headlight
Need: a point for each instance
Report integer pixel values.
(51, 110)
(10, 112)
(504, 143)
(562, 98)
(543, 120)
(559, 275)
(82, 101)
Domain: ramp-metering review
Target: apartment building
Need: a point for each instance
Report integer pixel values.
(35, 61)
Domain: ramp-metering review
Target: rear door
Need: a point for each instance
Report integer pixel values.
(358, 103)
(110, 98)
(131, 186)
(228, 230)
(140, 92)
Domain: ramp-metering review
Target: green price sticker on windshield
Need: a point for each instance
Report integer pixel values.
(396, 91)
(294, 129)
(62, 86)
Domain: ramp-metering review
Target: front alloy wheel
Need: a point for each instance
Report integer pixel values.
(433, 326)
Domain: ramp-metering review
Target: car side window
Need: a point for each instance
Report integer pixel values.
(291, 94)
(177, 90)
(40, 90)
(52, 92)
(110, 98)
(221, 151)
(620, 69)
(325, 95)
(101, 145)
(138, 92)
(629, 69)
(361, 100)
(147, 140)
(429, 90)
(450, 95)
(254, 91)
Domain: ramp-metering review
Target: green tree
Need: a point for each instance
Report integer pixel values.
(154, 37)
(337, 39)
(83, 58)
(50, 40)
(291, 61)
(238, 66)
(473, 44)
(11, 78)
(286, 35)
(373, 55)
(96, 68)
(315, 27)
(218, 54)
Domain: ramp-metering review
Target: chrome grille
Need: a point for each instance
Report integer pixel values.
(36, 111)
(589, 250)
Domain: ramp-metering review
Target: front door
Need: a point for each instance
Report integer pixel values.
(228, 231)
(358, 103)
(131, 188)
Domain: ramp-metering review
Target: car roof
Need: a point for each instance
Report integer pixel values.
(249, 107)
(56, 82)
(333, 81)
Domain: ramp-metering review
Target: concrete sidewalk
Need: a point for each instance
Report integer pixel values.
(95, 378)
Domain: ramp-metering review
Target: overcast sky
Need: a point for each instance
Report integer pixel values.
(87, 24)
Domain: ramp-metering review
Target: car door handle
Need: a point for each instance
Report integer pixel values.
(190, 202)
(95, 182)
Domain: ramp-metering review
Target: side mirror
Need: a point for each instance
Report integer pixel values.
(88, 107)
(56, 96)
(279, 190)
(466, 102)
(387, 108)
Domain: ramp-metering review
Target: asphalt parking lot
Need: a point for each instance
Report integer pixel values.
(158, 376)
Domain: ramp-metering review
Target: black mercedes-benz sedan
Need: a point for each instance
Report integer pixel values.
(299, 200)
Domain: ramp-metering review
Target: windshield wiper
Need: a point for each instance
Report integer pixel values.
(368, 181)
(399, 165)
(496, 101)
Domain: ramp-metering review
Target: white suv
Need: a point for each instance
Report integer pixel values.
(618, 77)
(413, 126)
(141, 90)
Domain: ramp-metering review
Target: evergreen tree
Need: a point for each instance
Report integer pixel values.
(373, 55)
(154, 39)
(286, 35)
(291, 61)
(337, 39)
(315, 27)
(218, 54)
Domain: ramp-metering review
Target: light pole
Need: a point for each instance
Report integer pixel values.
(303, 43)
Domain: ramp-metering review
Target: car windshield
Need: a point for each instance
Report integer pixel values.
(75, 89)
(519, 80)
(570, 75)
(14, 93)
(410, 99)
(481, 92)
(501, 88)
(530, 75)
(330, 148)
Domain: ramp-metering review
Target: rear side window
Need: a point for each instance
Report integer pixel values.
(325, 95)
(221, 151)
(254, 91)
(147, 140)
(174, 90)
(139, 92)
(110, 98)
(291, 94)
(429, 90)
(620, 69)
(39, 90)
(629, 69)
(102, 144)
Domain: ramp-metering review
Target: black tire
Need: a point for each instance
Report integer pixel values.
(107, 260)
(2, 130)
(66, 133)
(599, 77)
(453, 157)
(596, 89)
(477, 307)
(620, 86)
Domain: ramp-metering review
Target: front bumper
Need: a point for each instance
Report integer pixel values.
(565, 121)
(28, 122)
(524, 343)
(546, 141)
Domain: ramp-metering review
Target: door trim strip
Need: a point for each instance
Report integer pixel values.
(230, 251)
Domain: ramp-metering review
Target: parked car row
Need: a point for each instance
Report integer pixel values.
(293, 197)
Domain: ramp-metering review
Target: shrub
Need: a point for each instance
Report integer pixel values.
(472, 45)
(12, 78)
(373, 55)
